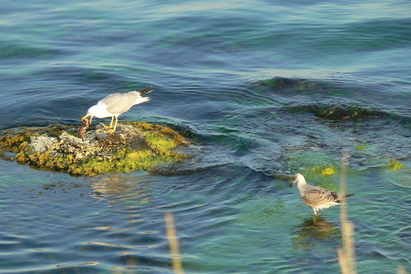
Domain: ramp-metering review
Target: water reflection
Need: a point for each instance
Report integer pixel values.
(121, 187)
(312, 231)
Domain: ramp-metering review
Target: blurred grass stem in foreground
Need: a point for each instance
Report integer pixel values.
(346, 254)
(173, 242)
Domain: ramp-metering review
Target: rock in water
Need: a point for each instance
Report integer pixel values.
(134, 146)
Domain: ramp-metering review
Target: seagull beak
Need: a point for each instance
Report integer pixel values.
(293, 182)
(91, 118)
(85, 117)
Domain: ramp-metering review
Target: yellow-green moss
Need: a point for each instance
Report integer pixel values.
(396, 165)
(161, 140)
(94, 167)
(360, 147)
(328, 171)
(320, 175)
(160, 131)
(323, 170)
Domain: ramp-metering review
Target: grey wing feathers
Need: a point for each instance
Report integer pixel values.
(111, 99)
(118, 103)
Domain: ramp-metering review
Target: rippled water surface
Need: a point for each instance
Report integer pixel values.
(266, 89)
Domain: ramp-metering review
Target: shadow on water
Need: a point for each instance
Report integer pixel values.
(313, 231)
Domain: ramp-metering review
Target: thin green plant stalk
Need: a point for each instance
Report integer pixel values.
(346, 254)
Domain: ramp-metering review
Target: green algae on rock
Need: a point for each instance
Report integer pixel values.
(134, 146)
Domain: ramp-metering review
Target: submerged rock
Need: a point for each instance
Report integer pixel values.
(341, 111)
(134, 146)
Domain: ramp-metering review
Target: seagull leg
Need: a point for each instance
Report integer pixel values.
(115, 126)
(112, 120)
(315, 211)
(111, 124)
(105, 126)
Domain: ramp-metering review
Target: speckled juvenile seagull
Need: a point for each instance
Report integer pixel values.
(115, 104)
(315, 196)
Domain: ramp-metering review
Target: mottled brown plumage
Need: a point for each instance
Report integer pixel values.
(318, 198)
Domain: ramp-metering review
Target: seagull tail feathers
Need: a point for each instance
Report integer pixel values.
(145, 91)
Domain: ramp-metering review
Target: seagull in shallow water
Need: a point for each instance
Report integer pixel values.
(115, 104)
(315, 196)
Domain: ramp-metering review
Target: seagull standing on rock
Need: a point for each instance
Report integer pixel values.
(115, 104)
(318, 198)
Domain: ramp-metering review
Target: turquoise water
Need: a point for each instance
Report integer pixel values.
(267, 89)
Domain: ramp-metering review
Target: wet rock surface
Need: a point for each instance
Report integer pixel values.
(134, 146)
